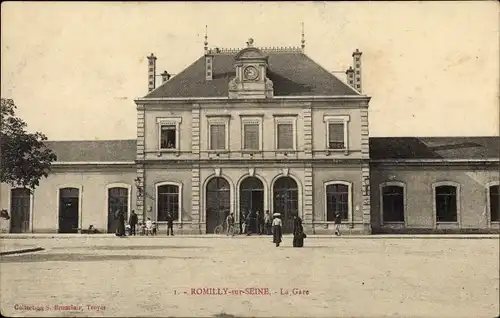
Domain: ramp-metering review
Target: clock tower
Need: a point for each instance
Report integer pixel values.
(250, 81)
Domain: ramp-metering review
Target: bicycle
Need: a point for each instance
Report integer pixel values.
(221, 229)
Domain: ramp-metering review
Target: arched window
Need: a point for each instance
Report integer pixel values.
(494, 193)
(446, 197)
(168, 201)
(393, 207)
(337, 200)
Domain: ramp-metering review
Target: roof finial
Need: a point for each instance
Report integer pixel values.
(250, 42)
(206, 38)
(303, 39)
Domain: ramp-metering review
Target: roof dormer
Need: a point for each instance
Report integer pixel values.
(251, 70)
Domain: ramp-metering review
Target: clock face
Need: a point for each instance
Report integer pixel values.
(251, 73)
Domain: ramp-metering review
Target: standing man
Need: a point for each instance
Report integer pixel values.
(230, 224)
(170, 224)
(338, 220)
(267, 222)
(133, 222)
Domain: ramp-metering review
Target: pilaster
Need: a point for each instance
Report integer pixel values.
(308, 142)
(195, 171)
(140, 167)
(308, 198)
(365, 171)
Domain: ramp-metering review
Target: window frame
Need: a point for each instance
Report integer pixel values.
(457, 198)
(285, 119)
(337, 119)
(179, 203)
(218, 120)
(169, 121)
(251, 120)
(488, 201)
(381, 200)
(349, 200)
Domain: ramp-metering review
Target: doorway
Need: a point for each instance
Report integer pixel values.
(69, 209)
(286, 195)
(20, 206)
(117, 200)
(251, 199)
(217, 204)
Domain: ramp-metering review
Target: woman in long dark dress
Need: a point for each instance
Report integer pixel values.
(120, 229)
(277, 233)
(298, 232)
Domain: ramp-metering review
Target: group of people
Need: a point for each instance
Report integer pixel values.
(257, 223)
(298, 230)
(145, 228)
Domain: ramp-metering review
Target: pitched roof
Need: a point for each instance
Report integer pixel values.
(380, 148)
(94, 150)
(435, 148)
(292, 73)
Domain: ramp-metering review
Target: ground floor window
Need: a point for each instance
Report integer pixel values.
(337, 200)
(393, 204)
(168, 202)
(446, 203)
(495, 203)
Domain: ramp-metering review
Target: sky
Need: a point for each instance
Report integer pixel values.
(75, 68)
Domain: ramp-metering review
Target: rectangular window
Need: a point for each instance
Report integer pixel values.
(495, 203)
(217, 136)
(168, 137)
(285, 136)
(251, 136)
(336, 136)
(393, 204)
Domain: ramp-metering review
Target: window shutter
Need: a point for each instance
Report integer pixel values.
(336, 136)
(217, 137)
(251, 136)
(285, 136)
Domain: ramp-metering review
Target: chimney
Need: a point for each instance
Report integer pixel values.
(356, 61)
(209, 61)
(165, 76)
(209, 58)
(151, 72)
(350, 76)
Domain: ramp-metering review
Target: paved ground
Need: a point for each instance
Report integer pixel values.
(165, 276)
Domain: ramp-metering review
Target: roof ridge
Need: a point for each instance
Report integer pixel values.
(265, 49)
(91, 140)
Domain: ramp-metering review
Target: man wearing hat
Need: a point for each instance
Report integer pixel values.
(277, 233)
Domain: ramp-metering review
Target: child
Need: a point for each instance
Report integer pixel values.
(149, 227)
(338, 220)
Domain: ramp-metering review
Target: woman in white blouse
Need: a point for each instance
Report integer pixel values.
(277, 233)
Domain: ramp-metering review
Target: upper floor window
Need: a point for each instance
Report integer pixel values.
(251, 132)
(446, 200)
(218, 132)
(336, 132)
(286, 134)
(169, 133)
(494, 193)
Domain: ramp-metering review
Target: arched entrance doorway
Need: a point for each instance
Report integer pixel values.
(217, 203)
(251, 199)
(286, 201)
(69, 210)
(117, 200)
